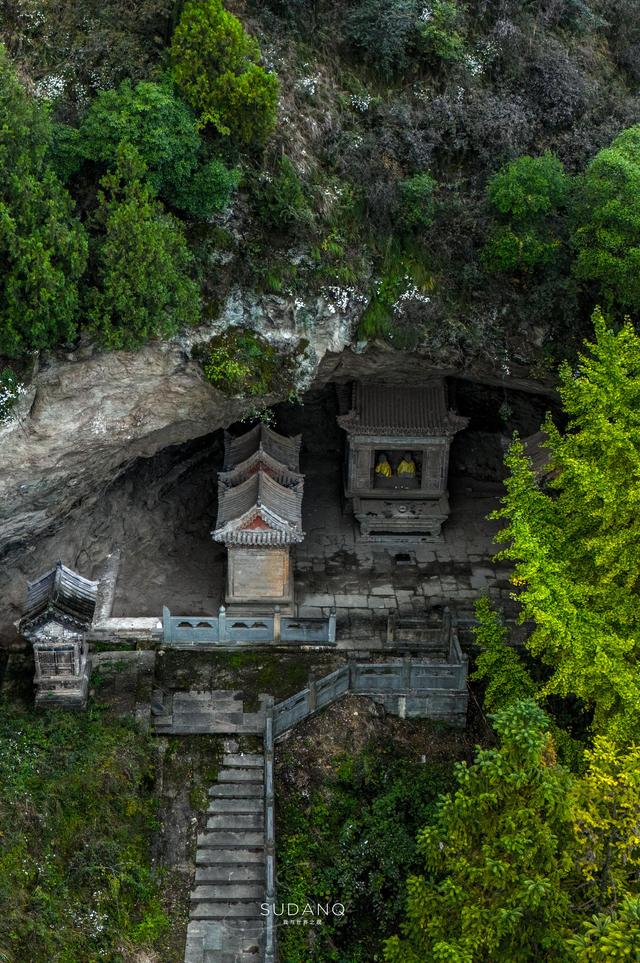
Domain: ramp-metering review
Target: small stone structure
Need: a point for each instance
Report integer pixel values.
(397, 460)
(59, 609)
(259, 518)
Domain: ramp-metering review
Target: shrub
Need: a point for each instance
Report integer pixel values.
(529, 194)
(215, 68)
(417, 203)
(402, 279)
(164, 132)
(384, 32)
(439, 36)
(240, 362)
(142, 264)
(529, 188)
(354, 840)
(43, 247)
(606, 236)
(281, 199)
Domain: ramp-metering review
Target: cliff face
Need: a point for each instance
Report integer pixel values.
(86, 416)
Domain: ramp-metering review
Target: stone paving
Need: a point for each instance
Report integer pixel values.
(367, 581)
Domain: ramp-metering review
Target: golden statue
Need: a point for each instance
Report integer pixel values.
(407, 466)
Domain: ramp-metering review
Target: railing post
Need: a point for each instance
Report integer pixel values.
(222, 624)
(313, 691)
(166, 625)
(269, 835)
(406, 672)
(331, 634)
(350, 669)
(277, 625)
(446, 628)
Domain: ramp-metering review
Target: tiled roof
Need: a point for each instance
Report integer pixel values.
(259, 511)
(401, 410)
(260, 460)
(63, 592)
(283, 449)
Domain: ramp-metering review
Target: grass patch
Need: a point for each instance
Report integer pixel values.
(77, 813)
(243, 363)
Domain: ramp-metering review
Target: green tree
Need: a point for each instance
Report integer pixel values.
(43, 247)
(606, 812)
(528, 196)
(498, 664)
(163, 130)
(215, 67)
(498, 856)
(576, 546)
(607, 218)
(143, 264)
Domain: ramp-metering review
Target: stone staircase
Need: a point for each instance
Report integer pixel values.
(211, 711)
(225, 923)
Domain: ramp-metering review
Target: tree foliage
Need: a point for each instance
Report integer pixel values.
(143, 264)
(43, 247)
(528, 195)
(610, 936)
(607, 218)
(498, 664)
(575, 546)
(606, 813)
(215, 67)
(163, 130)
(497, 856)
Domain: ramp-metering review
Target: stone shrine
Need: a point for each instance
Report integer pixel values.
(397, 460)
(259, 519)
(59, 609)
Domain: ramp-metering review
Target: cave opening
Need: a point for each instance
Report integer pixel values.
(160, 511)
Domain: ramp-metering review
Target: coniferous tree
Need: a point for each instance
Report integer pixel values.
(575, 544)
(498, 856)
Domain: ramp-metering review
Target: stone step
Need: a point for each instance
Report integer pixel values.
(228, 892)
(194, 716)
(211, 857)
(225, 910)
(236, 790)
(250, 724)
(235, 774)
(228, 935)
(244, 760)
(235, 821)
(254, 872)
(244, 839)
(245, 804)
(207, 695)
(214, 956)
(224, 941)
